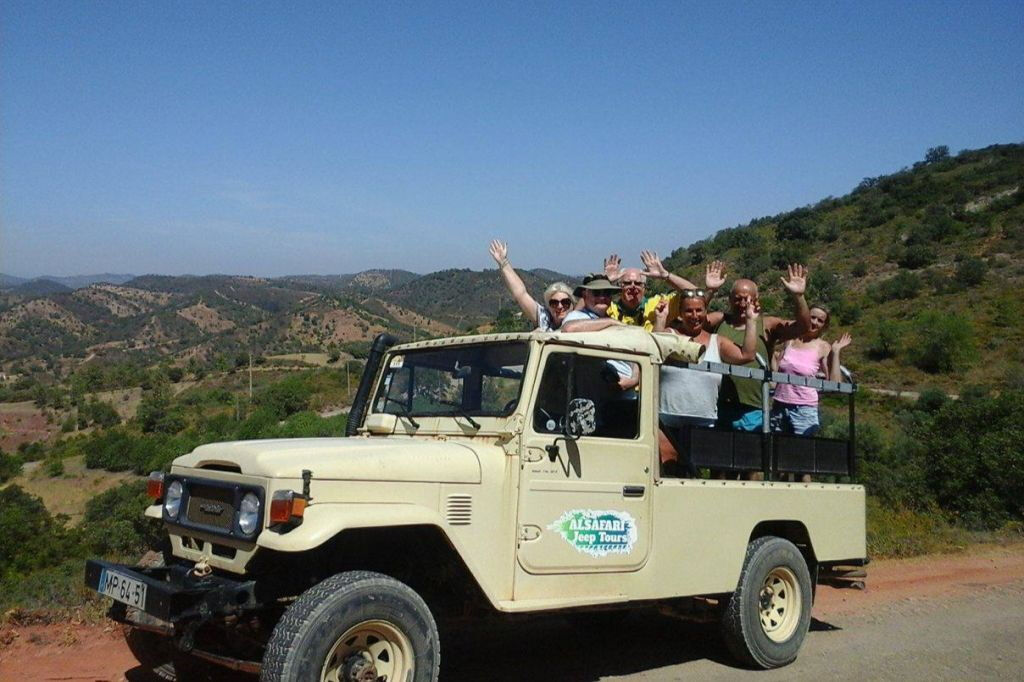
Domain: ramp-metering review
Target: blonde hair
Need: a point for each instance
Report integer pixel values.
(558, 287)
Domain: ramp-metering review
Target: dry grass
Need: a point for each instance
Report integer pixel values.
(68, 493)
(314, 359)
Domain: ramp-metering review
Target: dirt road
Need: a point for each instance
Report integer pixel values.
(946, 617)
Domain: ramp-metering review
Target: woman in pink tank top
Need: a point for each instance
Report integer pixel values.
(796, 407)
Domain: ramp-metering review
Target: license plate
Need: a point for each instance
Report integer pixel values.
(122, 588)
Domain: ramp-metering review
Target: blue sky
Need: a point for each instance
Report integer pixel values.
(276, 138)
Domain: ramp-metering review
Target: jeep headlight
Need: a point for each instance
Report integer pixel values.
(172, 500)
(249, 514)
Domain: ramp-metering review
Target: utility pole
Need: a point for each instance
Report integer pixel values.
(250, 376)
(348, 381)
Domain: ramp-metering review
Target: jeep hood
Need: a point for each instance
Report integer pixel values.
(353, 459)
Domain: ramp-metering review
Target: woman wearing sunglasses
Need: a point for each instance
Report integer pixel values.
(558, 300)
(689, 397)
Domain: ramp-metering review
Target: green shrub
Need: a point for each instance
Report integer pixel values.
(975, 463)
(54, 465)
(29, 536)
(916, 256)
(931, 400)
(902, 286)
(286, 397)
(860, 268)
(115, 526)
(940, 342)
(884, 338)
(10, 466)
(970, 272)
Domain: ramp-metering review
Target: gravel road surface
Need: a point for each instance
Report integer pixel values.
(936, 618)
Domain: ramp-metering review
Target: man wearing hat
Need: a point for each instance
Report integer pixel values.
(596, 293)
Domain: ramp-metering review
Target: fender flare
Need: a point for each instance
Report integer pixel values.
(321, 522)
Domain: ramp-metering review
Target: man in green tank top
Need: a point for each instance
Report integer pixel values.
(739, 400)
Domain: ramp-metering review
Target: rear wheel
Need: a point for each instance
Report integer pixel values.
(351, 627)
(768, 615)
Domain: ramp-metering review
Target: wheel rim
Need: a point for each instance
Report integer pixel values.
(375, 643)
(780, 604)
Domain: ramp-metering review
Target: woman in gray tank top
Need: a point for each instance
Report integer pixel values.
(690, 397)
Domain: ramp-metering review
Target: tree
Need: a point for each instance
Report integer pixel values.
(508, 321)
(940, 342)
(936, 154)
(883, 338)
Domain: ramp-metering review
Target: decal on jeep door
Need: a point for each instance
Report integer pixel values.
(597, 532)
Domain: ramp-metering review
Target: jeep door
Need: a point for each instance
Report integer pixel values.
(585, 502)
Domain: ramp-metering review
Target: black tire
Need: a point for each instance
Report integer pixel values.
(344, 617)
(153, 652)
(768, 615)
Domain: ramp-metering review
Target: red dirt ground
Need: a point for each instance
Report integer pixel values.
(74, 652)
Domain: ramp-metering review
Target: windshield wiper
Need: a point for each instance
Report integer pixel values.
(404, 410)
(461, 412)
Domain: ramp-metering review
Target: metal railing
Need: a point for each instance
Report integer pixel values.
(782, 453)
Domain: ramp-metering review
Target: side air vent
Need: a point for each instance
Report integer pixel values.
(459, 510)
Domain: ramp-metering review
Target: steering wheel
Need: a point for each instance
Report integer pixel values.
(510, 405)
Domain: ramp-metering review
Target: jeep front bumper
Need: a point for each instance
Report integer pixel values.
(174, 594)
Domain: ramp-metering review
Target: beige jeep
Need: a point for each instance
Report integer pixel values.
(483, 476)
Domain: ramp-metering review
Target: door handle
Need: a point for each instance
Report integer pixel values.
(632, 491)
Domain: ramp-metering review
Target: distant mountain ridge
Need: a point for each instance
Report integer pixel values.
(944, 235)
(73, 282)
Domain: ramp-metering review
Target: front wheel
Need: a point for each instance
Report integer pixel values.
(768, 615)
(351, 627)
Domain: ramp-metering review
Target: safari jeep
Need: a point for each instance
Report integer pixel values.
(481, 477)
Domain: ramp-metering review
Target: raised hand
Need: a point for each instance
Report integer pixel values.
(611, 267)
(499, 252)
(661, 311)
(796, 281)
(714, 275)
(653, 266)
(842, 342)
(753, 310)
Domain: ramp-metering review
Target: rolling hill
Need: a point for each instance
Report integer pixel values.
(945, 235)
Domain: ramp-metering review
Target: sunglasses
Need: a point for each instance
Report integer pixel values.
(633, 283)
(692, 293)
(604, 293)
(560, 303)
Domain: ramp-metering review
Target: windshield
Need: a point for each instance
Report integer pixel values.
(480, 381)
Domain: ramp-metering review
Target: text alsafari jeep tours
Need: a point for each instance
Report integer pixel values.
(484, 476)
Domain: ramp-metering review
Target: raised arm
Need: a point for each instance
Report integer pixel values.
(732, 353)
(612, 267)
(784, 330)
(834, 371)
(661, 316)
(714, 279)
(513, 282)
(654, 269)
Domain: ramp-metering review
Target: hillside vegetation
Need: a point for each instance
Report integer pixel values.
(924, 267)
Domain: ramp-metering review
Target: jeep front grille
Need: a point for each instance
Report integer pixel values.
(459, 510)
(211, 506)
